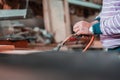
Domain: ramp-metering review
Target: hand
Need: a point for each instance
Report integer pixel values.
(82, 27)
(94, 22)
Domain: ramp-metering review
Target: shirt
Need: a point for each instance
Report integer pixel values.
(110, 23)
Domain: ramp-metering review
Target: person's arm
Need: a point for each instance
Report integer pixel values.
(111, 25)
(83, 27)
(95, 28)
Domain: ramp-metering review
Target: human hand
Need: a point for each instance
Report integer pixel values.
(94, 22)
(82, 27)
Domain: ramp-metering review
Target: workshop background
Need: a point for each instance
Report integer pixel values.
(33, 31)
(42, 24)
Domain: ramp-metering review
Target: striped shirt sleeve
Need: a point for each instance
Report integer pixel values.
(111, 25)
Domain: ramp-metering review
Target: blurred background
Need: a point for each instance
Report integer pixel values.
(42, 24)
(33, 28)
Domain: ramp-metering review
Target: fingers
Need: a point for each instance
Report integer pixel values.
(81, 27)
(78, 33)
(76, 30)
(77, 27)
(81, 32)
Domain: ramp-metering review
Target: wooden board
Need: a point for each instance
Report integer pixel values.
(16, 43)
(6, 47)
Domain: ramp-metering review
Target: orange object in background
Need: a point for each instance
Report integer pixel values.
(16, 43)
(6, 47)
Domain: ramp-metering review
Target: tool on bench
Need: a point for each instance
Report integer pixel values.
(77, 38)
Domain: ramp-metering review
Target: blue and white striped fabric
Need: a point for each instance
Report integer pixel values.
(110, 23)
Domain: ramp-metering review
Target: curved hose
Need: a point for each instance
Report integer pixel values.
(89, 44)
(63, 43)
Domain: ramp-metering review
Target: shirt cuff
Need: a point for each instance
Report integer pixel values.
(91, 29)
(97, 18)
(95, 29)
